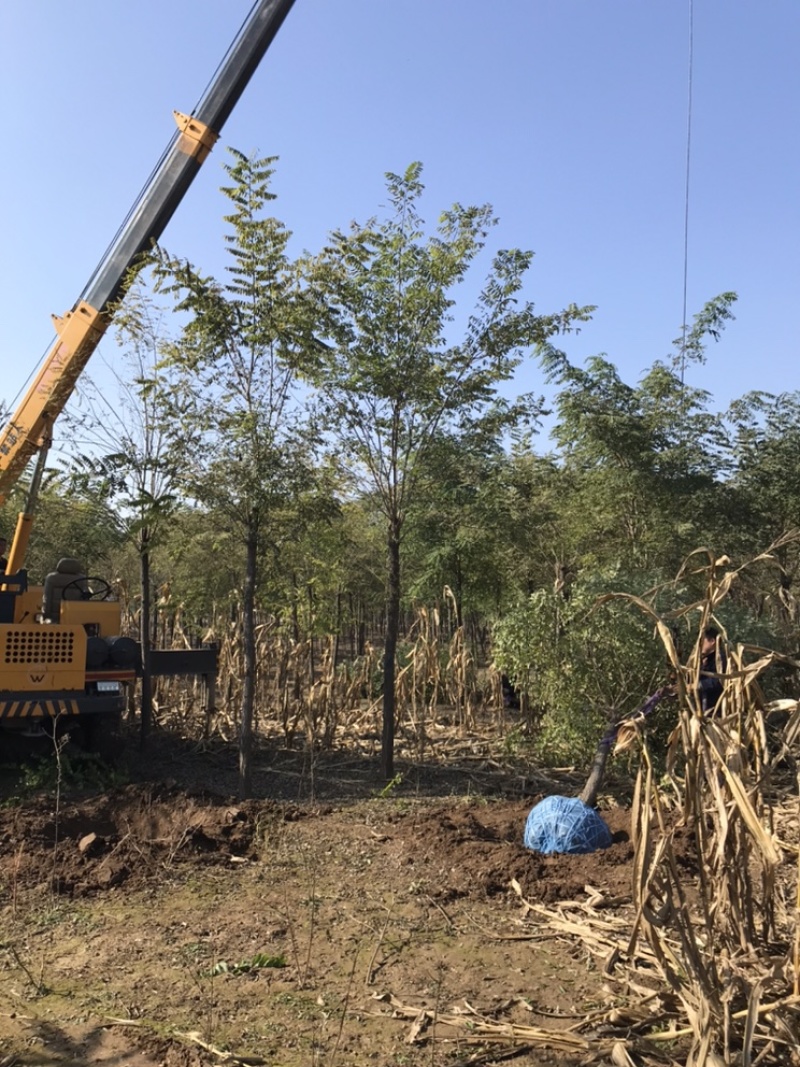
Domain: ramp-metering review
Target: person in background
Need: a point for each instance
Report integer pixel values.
(713, 662)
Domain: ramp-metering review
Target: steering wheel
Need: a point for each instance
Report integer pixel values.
(89, 588)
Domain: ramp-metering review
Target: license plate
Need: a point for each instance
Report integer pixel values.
(108, 687)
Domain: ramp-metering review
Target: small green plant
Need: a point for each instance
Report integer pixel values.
(260, 961)
(390, 787)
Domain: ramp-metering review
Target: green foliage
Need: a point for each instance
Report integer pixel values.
(765, 493)
(645, 462)
(389, 381)
(130, 453)
(582, 663)
(710, 321)
(74, 769)
(246, 449)
(85, 526)
(590, 654)
(454, 526)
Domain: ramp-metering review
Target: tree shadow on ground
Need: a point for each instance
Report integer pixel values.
(456, 767)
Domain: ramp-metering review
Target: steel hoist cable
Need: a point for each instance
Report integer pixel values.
(686, 189)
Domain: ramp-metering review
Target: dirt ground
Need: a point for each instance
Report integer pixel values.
(163, 923)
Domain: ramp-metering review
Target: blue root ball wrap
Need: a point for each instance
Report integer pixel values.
(565, 824)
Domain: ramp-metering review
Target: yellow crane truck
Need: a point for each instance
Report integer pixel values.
(63, 662)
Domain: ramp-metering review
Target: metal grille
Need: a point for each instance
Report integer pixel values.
(38, 646)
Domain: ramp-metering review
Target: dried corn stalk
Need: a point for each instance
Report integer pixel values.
(720, 935)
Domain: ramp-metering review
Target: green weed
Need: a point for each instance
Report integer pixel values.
(258, 962)
(73, 770)
(390, 787)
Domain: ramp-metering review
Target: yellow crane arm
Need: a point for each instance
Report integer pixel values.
(80, 330)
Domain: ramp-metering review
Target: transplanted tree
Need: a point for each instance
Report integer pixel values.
(585, 662)
(247, 449)
(391, 379)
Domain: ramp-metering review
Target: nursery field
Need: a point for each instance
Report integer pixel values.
(162, 923)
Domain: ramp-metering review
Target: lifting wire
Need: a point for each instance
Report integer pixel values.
(686, 190)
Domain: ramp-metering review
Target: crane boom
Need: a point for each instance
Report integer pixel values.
(66, 668)
(80, 330)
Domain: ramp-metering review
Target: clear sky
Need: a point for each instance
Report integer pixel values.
(568, 116)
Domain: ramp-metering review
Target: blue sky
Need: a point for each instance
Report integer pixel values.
(568, 116)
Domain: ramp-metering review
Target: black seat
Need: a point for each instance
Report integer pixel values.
(67, 572)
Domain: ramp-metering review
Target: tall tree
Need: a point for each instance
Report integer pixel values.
(389, 376)
(645, 459)
(247, 446)
(129, 452)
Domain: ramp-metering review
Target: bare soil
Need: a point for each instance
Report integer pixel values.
(331, 920)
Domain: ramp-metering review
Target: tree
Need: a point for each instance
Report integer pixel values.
(389, 378)
(585, 661)
(765, 485)
(646, 460)
(483, 524)
(248, 450)
(451, 529)
(69, 523)
(536, 546)
(131, 454)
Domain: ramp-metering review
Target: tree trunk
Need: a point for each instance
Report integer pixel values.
(297, 687)
(603, 750)
(597, 773)
(311, 664)
(145, 631)
(249, 649)
(337, 630)
(390, 652)
(458, 593)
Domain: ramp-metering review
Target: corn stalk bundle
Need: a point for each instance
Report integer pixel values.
(418, 683)
(723, 936)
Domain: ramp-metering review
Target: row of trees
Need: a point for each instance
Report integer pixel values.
(313, 437)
